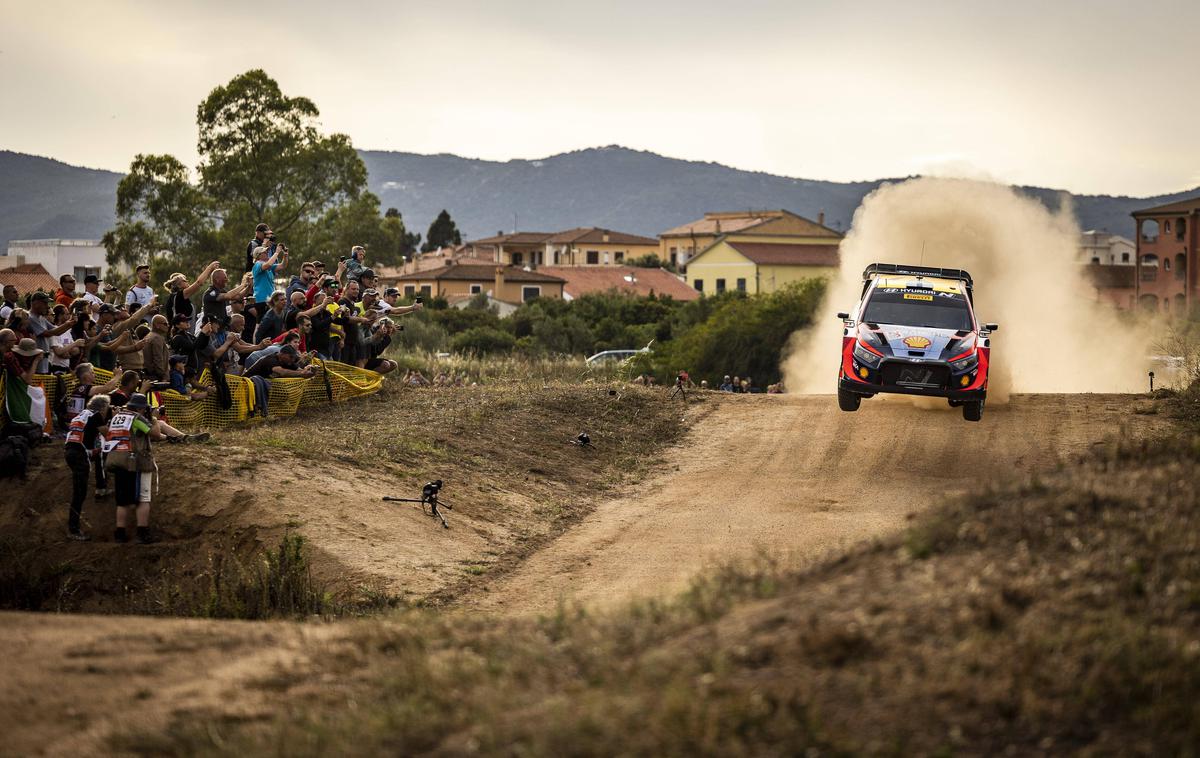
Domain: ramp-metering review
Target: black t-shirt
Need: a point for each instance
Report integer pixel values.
(250, 252)
(318, 340)
(264, 365)
(289, 318)
(213, 304)
(184, 343)
(349, 328)
(377, 348)
(118, 399)
(178, 303)
(91, 429)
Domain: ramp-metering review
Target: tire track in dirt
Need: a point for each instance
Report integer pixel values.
(795, 476)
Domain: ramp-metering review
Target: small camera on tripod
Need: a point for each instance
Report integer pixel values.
(428, 501)
(430, 491)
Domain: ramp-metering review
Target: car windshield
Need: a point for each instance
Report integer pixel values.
(919, 307)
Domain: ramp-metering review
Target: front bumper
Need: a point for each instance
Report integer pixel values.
(908, 376)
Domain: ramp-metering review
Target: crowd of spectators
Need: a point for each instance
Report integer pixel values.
(252, 327)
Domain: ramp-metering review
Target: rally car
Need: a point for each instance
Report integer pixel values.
(914, 333)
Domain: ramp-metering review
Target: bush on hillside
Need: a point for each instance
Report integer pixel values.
(483, 340)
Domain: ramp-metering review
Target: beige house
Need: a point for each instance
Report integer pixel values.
(516, 249)
(585, 246)
(755, 267)
(461, 281)
(680, 244)
(592, 246)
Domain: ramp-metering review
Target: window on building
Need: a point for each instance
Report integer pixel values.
(720, 286)
(518, 259)
(1166, 264)
(1149, 303)
(619, 257)
(593, 257)
(530, 293)
(426, 290)
(1149, 232)
(555, 257)
(1180, 228)
(476, 289)
(698, 284)
(1095, 259)
(83, 272)
(1167, 226)
(606, 258)
(1124, 257)
(1149, 269)
(741, 285)
(410, 290)
(674, 257)
(1180, 266)
(1166, 304)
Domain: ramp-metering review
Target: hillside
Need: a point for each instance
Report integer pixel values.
(615, 187)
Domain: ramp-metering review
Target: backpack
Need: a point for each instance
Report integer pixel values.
(14, 457)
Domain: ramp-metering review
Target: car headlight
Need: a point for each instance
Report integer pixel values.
(864, 355)
(966, 364)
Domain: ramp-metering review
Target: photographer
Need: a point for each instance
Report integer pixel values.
(130, 456)
(260, 236)
(381, 337)
(266, 265)
(81, 451)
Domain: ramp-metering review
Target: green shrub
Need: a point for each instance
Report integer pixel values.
(483, 340)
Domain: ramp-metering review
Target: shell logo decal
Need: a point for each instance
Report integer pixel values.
(919, 343)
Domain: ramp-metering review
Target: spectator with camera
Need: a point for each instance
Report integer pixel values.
(64, 349)
(180, 292)
(129, 456)
(82, 451)
(260, 236)
(217, 298)
(375, 346)
(267, 262)
(42, 329)
(91, 290)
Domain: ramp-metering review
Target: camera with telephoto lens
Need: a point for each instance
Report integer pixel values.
(430, 491)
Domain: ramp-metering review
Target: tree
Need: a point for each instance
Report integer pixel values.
(393, 226)
(441, 232)
(262, 150)
(262, 158)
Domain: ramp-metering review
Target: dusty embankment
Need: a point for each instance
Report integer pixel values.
(1043, 612)
(794, 476)
(503, 452)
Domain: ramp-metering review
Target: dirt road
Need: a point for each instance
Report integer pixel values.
(796, 476)
(790, 474)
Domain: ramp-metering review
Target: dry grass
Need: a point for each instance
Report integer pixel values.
(1043, 616)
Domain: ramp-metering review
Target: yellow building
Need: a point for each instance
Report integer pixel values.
(755, 267)
(461, 281)
(681, 244)
(516, 249)
(591, 246)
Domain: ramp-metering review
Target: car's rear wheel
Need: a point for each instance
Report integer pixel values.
(973, 410)
(848, 401)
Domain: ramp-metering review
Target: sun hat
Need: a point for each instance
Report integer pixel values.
(28, 348)
(137, 402)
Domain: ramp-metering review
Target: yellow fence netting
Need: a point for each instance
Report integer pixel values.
(333, 382)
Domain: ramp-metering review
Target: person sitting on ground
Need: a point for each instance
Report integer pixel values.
(130, 456)
(196, 390)
(737, 385)
(83, 434)
(183, 379)
(726, 384)
(414, 378)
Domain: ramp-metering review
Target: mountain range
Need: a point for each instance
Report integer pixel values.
(612, 187)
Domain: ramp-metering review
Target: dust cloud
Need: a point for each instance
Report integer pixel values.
(1053, 336)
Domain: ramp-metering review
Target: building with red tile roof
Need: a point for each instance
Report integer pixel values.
(633, 280)
(29, 277)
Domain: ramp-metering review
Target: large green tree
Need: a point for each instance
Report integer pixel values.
(442, 232)
(262, 158)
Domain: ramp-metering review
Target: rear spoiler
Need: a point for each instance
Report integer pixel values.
(902, 269)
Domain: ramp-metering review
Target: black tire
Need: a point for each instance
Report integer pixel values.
(973, 410)
(848, 401)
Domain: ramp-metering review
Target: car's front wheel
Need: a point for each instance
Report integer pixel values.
(973, 410)
(848, 401)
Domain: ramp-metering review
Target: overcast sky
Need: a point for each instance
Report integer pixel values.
(1095, 97)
